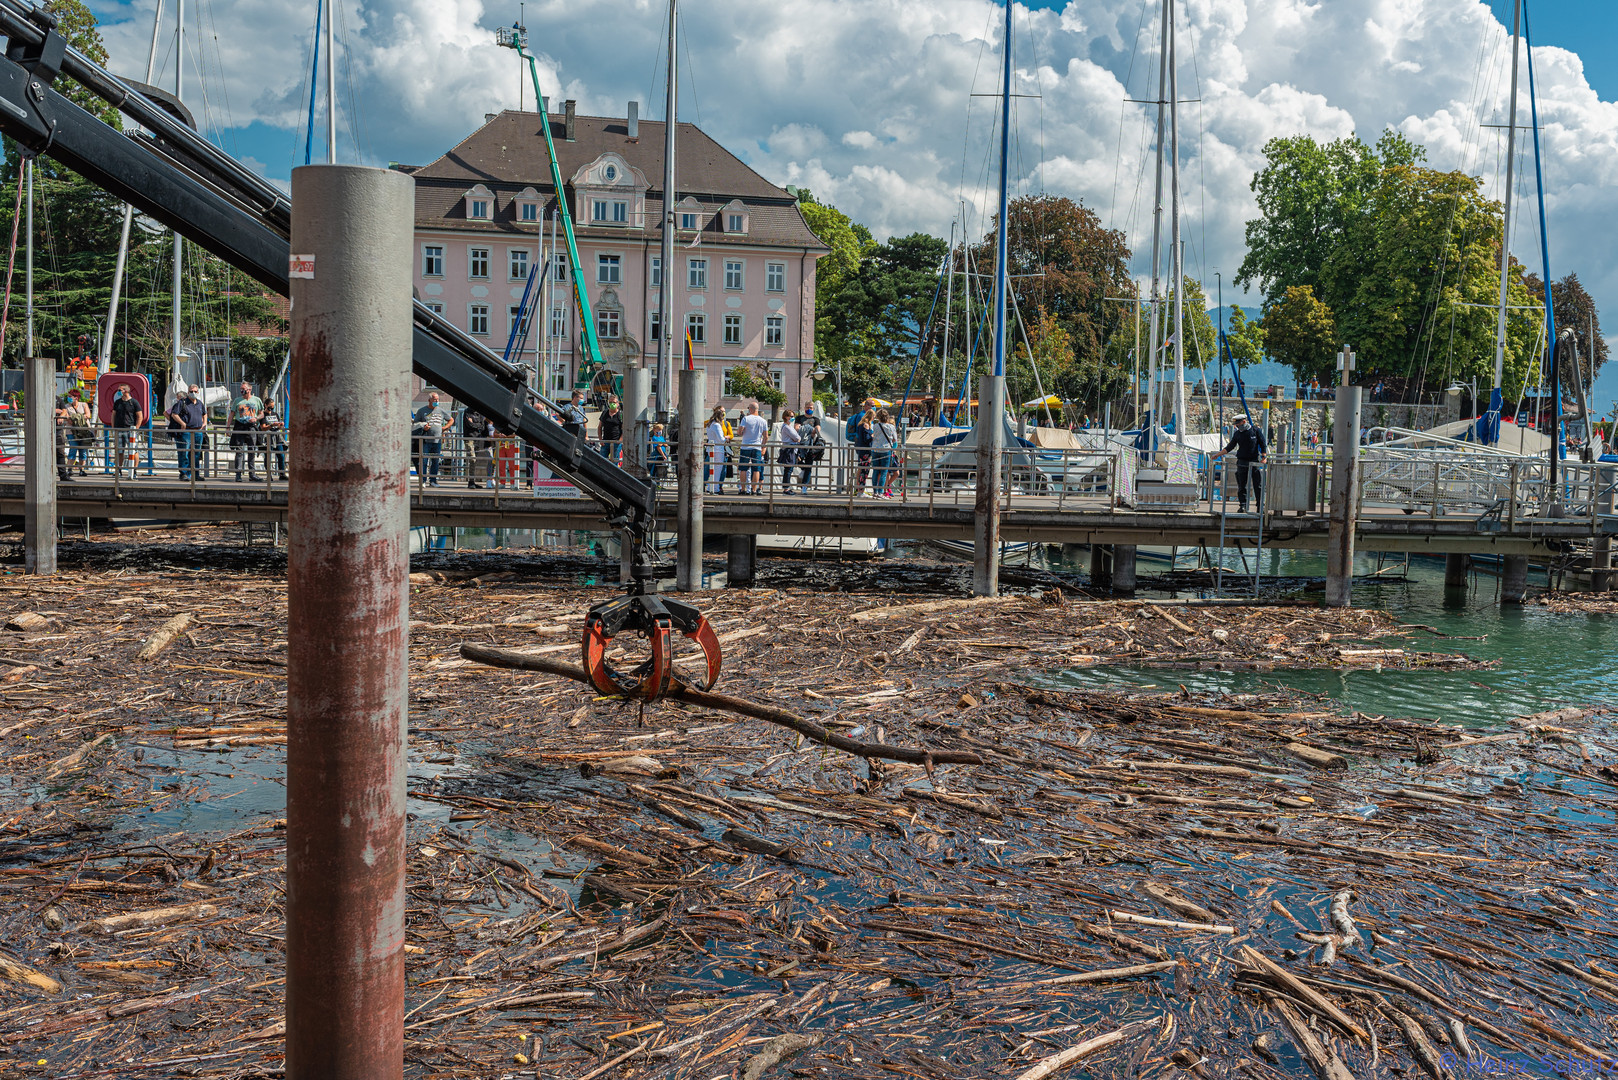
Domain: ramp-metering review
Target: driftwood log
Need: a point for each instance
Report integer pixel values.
(510, 658)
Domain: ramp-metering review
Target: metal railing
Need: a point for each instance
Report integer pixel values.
(1442, 482)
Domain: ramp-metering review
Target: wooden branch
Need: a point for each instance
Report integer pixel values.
(164, 635)
(509, 658)
(1057, 1062)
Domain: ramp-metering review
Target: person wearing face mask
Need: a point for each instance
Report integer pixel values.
(187, 416)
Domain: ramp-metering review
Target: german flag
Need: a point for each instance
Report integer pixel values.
(690, 354)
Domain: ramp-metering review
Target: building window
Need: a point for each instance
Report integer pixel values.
(657, 325)
(733, 273)
(778, 379)
(733, 329)
(435, 307)
(735, 223)
(518, 317)
(775, 331)
(558, 322)
(609, 212)
(559, 267)
(657, 273)
(479, 210)
(432, 261)
(696, 324)
(528, 211)
(519, 264)
(477, 260)
(725, 389)
(688, 220)
(609, 269)
(696, 273)
(609, 325)
(477, 319)
(775, 277)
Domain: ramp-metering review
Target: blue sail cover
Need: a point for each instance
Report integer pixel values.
(1489, 422)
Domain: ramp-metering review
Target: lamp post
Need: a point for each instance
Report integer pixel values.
(821, 373)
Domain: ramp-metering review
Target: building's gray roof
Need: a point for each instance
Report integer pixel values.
(507, 154)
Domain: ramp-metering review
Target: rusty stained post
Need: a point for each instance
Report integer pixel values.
(347, 609)
(1345, 485)
(688, 474)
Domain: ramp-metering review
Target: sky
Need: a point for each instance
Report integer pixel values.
(870, 103)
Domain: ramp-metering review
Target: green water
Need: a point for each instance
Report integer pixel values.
(1546, 660)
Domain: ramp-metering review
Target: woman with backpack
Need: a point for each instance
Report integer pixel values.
(811, 448)
(884, 440)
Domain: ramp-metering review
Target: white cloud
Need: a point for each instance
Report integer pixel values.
(867, 102)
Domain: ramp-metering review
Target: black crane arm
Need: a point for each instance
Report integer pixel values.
(184, 182)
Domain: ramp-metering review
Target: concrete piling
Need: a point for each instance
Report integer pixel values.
(39, 463)
(741, 559)
(688, 566)
(1513, 579)
(347, 618)
(1345, 467)
(1123, 568)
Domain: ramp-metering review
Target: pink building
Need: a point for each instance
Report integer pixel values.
(744, 281)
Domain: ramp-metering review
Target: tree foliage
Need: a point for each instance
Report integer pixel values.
(1299, 332)
(1245, 338)
(1402, 257)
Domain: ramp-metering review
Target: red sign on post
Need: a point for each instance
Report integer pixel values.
(107, 389)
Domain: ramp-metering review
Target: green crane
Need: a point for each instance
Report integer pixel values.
(516, 37)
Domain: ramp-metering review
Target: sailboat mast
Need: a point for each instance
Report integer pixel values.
(1002, 248)
(331, 90)
(179, 85)
(949, 297)
(1505, 236)
(1152, 401)
(1545, 255)
(28, 275)
(665, 291)
(104, 361)
(1178, 256)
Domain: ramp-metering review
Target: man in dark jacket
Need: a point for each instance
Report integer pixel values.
(127, 416)
(1248, 442)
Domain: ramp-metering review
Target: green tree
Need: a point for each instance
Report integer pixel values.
(1575, 309)
(1299, 331)
(1244, 338)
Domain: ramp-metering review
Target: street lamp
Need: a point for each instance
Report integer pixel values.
(821, 373)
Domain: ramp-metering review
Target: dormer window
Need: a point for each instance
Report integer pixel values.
(480, 204)
(610, 173)
(690, 212)
(609, 211)
(734, 215)
(526, 203)
(688, 220)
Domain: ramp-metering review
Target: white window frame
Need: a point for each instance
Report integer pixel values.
(476, 315)
(514, 256)
(778, 379)
(528, 211)
(655, 273)
(725, 389)
(432, 260)
(775, 277)
(559, 322)
(696, 324)
(609, 269)
(735, 223)
(479, 209)
(775, 331)
(696, 272)
(513, 312)
(732, 328)
(735, 274)
(435, 307)
(559, 268)
(473, 256)
(609, 324)
(690, 219)
(654, 326)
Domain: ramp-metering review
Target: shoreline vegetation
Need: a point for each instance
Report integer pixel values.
(1147, 881)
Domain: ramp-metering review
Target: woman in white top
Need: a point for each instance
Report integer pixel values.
(884, 438)
(717, 441)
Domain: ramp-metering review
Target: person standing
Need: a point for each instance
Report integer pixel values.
(657, 453)
(272, 430)
(127, 417)
(244, 414)
(187, 417)
(863, 441)
(80, 434)
(789, 440)
(573, 418)
(64, 432)
(610, 430)
(718, 440)
(884, 441)
(430, 421)
(479, 435)
(755, 430)
(1248, 442)
(811, 448)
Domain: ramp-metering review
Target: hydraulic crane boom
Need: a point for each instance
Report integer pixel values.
(188, 184)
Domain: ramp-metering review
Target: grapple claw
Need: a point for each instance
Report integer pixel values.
(656, 619)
